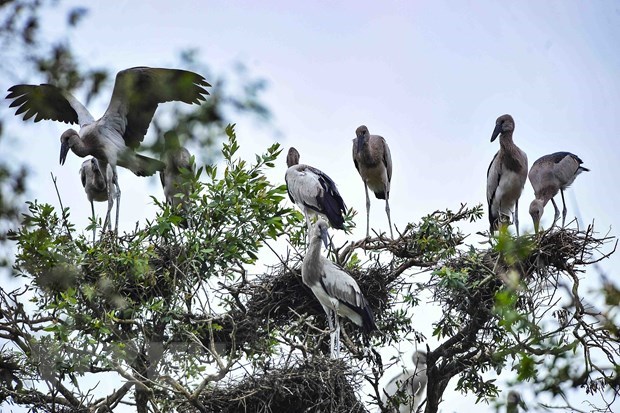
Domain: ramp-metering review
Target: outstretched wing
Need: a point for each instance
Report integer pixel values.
(48, 102)
(138, 91)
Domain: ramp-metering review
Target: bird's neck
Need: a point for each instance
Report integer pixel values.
(312, 261)
(505, 140)
(78, 147)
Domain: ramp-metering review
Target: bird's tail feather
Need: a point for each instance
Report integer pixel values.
(334, 210)
(144, 166)
(380, 194)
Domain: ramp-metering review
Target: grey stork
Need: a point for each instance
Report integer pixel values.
(336, 290)
(114, 137)
(514, 401)
(550, 174)
(506, 175)
(177, 159)
(313, 191)
(412, 381)
(95, 183)
(373, 161)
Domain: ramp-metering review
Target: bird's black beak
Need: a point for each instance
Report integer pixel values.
(360, 143)
(496, 131)
(64, 149)
(325, 237)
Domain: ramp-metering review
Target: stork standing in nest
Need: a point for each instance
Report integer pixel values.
(373, 161)
(336, 290)
(506, 176)
(177, 159)
(550, 174)
(313, 192)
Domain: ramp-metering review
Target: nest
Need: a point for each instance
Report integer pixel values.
(316, 385)
(277, 300)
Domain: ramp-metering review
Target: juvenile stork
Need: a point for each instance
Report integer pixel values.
(95, 183)
(550, 174)
(373, 161)
(113, 138)
(177, 159)
(336, 290)
(514, 401)
(313, 191)
(411, 381)
(506, 175)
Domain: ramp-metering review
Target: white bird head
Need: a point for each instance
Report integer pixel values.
(536, 211)
(292, 158)
(67, 140)
(503, 124)
(320, 232)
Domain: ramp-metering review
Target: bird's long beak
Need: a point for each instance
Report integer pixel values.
(496, 131)
(536, 226)
(325, 237)
(360, 143)
(64, 149)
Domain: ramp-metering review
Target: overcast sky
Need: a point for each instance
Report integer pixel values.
(431, 77)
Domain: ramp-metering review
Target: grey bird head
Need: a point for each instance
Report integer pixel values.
(503, 124)
(536, 211)
(292, 158)
(419, 358)
(362, 136)
(66, 142)
(320, 231)
(513, 401)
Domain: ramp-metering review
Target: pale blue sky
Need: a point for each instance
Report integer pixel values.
(431, 77)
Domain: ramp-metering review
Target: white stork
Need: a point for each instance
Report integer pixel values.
(506, 175)
(373, 161)
(95, 183)
(336, 290)
(412, 381)
(313, 191)
(113, 138)
(550, 174)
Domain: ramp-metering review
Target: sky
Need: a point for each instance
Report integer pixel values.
(431, 77)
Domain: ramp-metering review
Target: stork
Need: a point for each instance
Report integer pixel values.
(313, 191)
(177, 159)
(550, 174)
(373, 161)
(514, 401)
(412, 381)
(506, 175)
(113, 138)
(95, 183)
(336, 290)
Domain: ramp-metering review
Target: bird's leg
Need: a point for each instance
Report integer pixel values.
(332, 337)
(118, 196)
(387, 211)
(337, 323)
(563, 208)
(92, 210)
(516, 218)
(367, 211)
(557, 212)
